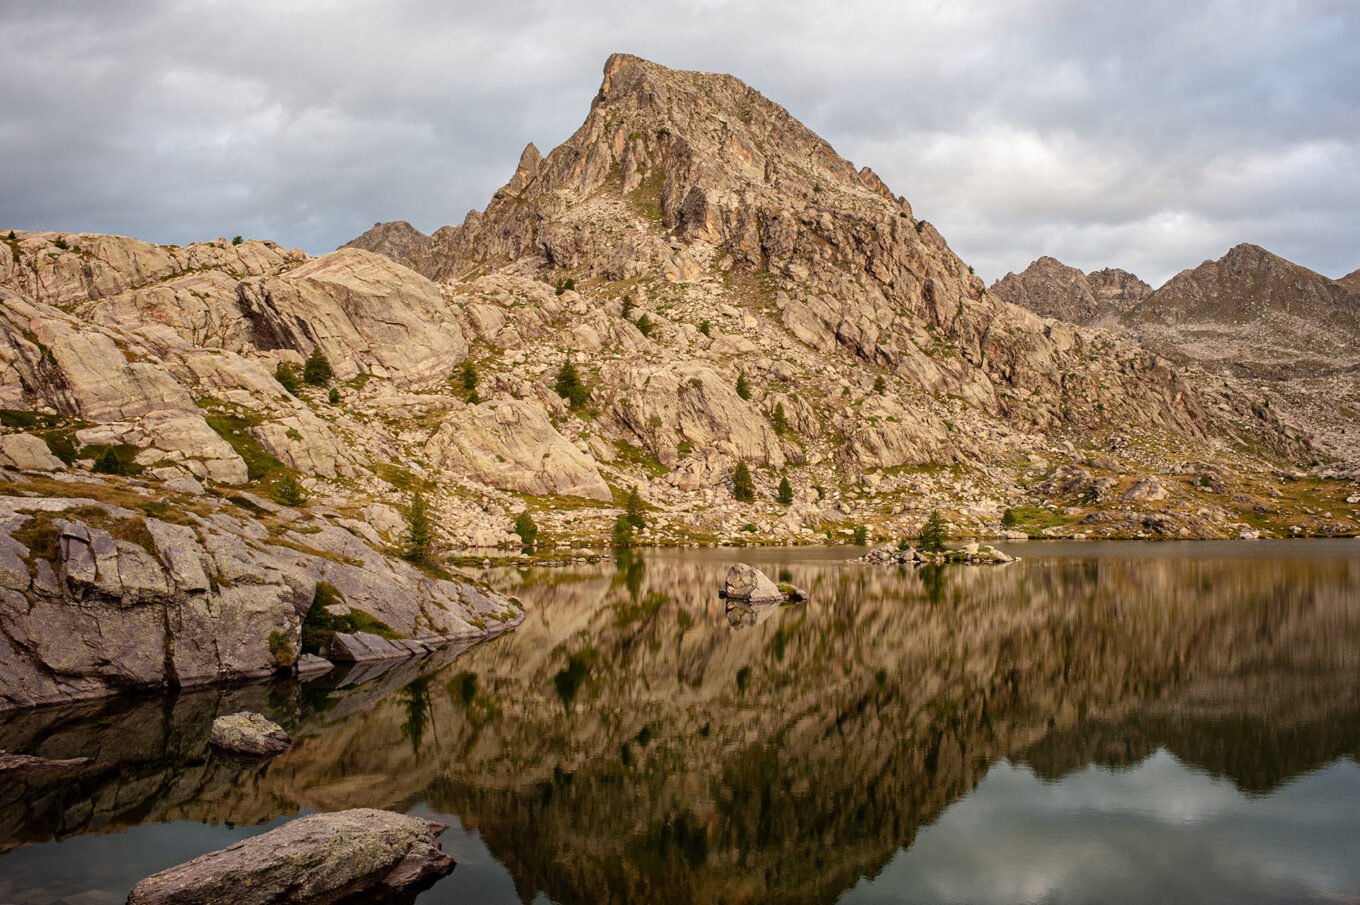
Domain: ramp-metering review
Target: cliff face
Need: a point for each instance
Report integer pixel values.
(1275, 329)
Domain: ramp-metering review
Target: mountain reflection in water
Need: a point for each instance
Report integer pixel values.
(630, 743)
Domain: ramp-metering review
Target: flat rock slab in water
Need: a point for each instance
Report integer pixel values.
(27, 764)
(363, 647)
(248, 733)
(362, 855)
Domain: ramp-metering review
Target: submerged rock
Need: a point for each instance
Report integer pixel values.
(361, 855)
(249, 733)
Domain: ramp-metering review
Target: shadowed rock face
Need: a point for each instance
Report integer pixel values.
(628, 744)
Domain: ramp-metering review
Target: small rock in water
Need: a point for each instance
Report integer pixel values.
(249, 733)
(748, 584)
(349, 856)
(312, 665)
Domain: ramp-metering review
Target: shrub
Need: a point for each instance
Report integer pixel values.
(645, 325)
(333, 397)
(317, 369)
(11, 237)
(934, 533)
(633, 510)
(742, 486)
(743, 388)
(1009, 518)
(569, 385)
(861, 535)
(626, 311)
(526, 528)
(785, 494)
(236, 240)
(706, 328)
(565, 285)
(281, 649)
(781, 423)
(289, 492)
(60, 242)
(880, 385)
(419, 531)
(287, 376)
(623, 532)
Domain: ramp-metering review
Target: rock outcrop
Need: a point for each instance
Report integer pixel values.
(360, 855)
(96, 597)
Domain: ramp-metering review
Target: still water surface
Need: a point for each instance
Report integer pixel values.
(1113, 722)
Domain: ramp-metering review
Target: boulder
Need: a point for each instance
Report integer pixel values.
(248, 733)
(747, 584)
(312, 665)
(27, 453)
(361, 855)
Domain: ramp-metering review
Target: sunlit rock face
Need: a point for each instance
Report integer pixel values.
(628, 743)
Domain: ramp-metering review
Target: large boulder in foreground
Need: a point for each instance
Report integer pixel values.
(249, 733)
(362, 855)
(747, 584)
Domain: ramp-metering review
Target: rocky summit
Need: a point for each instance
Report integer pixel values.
(221, 456)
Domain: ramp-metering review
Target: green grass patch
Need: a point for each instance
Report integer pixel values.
(1033, 519)
(320, 624)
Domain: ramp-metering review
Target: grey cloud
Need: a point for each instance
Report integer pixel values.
(1148, 136)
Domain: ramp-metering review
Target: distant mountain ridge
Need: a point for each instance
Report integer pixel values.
(1282, 327)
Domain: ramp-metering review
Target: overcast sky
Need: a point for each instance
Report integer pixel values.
(1148, 135)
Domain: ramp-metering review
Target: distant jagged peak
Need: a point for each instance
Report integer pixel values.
(1050, 288)
(396, 239)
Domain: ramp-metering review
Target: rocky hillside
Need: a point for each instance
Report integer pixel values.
(1276, 329)
(691, 282)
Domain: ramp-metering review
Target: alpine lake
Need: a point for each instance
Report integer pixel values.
(1098, 722)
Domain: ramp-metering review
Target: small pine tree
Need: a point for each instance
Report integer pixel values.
(781, 423)
(645, 325)
(934, 534)
(565, 285)
(569, 385)
(626, 312)
(236, 240)
(419, 530)
(470, 383)
(880, 385)
(317, 369)
(623, 532)
(109, 462)
(1009, 519)
(333, 397)
(288, 491)
(287, 376)
(60, 242)
(706, 328)
(743, 388)
(743, 488)
(634, 510)
(526, 528)
(785, 494)
(12, 237)
(862, 535)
